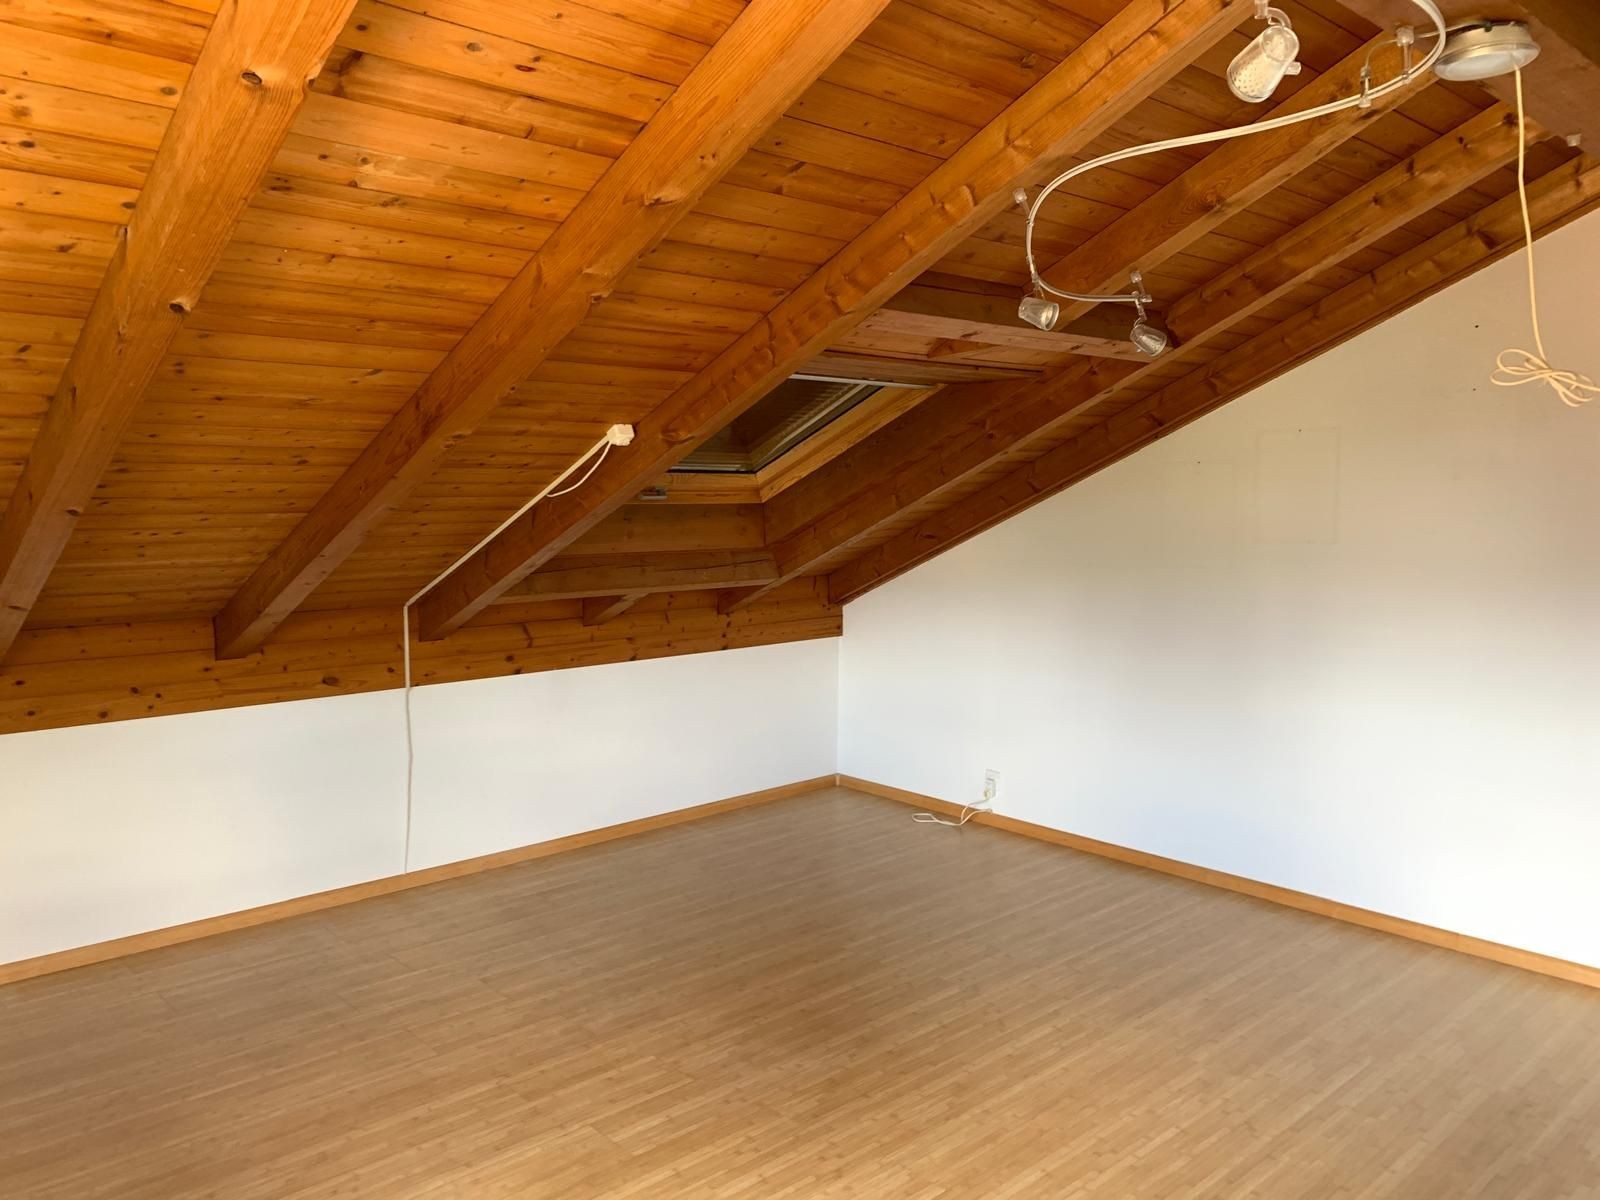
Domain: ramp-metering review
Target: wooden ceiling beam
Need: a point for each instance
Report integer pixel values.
(771, 53)
(1561, 87)
(917, 372)
(654, 528)
(1464, 157)
(641, 574)
(859, 423)
(1227, 181)
(597, 610)
(962, 430)
(1558, 197)
(253, 73)
(1165, 224)
(930, 428)
(921, 311)
(1145, 44)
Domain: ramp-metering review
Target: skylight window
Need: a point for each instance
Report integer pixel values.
(786, 416)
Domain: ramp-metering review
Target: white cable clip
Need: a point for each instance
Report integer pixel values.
(1405, 37)
(620, 435)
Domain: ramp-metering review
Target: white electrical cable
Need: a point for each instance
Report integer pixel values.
(617, 435)
(581, 482)
(1361, 100)
(1514, 367)
(968, 811)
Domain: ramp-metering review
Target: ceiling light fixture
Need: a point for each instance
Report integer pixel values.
(1256, 71)
(1149, 340)
(1483, 49)
(1253, 75)
(1039, 312)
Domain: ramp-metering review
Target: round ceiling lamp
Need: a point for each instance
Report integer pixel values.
(1485, 49)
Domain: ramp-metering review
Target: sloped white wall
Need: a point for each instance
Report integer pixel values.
(108, 830)
(1342, 635)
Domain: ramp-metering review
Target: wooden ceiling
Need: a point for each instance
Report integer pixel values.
(274, 355)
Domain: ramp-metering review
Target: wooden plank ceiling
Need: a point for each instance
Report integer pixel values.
(274, 355)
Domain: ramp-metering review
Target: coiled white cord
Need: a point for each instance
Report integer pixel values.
(1515, 366)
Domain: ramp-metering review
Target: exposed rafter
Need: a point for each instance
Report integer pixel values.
(249, 81)
(597, 610)
(926, 371)
(641, 574)
(1227, 181)
(922, 311)
(659, 529)
(968, 429)
(963, 430)
(766, 59)
(1460, 159)
(1144, 45)
(444, 144)
(1556, 198)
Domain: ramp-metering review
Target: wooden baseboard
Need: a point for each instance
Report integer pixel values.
(1527, 960)
(80, 956)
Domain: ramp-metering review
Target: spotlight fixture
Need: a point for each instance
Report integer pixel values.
(1256, 71)
(1149, 340)
(1484, 49)
(1039, 312)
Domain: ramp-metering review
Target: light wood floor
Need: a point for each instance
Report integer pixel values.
(812, 998)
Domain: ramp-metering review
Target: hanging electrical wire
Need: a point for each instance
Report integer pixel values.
(1514, 366)
(617, 435)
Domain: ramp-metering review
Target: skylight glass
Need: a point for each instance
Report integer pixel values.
(786, 416)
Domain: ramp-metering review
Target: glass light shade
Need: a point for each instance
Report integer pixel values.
(1486, 50)
(1147, 339)
(1256, 71)
(1039, 312)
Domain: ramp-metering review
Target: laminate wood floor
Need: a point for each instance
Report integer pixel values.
(813, 998)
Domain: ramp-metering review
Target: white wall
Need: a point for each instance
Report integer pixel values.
(1342, 635)
(108, 830)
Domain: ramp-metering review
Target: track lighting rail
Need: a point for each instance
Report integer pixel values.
(1253, 75)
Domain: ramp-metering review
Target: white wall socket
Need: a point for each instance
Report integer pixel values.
(991, 786)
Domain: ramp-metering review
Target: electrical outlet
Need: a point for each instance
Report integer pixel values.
(991, 786)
